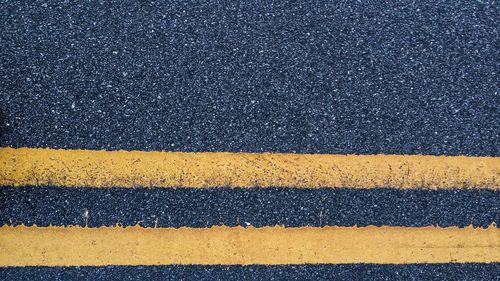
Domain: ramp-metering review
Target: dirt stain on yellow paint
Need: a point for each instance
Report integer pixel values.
(90, 168)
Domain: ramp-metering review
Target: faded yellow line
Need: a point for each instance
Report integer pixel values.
(75, 246)
(87, 168)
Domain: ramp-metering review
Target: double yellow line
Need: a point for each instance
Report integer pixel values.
(67, 246)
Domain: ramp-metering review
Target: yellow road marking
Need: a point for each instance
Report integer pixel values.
(88, 168)
(77, 246)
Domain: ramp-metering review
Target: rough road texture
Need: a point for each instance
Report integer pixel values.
(476, 272)
(290, 207)
(393, 77)
(417, 77)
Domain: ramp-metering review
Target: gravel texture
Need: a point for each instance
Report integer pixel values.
(426, 272)
(395, 77)
(416, 77)
(247, 207)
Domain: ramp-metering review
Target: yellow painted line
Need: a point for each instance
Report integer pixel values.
(89, 168)
(77, 246)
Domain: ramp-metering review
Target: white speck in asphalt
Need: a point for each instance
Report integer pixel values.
(86, 216)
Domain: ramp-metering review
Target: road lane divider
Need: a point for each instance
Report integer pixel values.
(77, 246)
(127, 169)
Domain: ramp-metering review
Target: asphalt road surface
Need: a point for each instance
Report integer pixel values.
(342, 77)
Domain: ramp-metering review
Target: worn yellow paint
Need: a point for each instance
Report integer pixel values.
(90, 168)
(75, 246)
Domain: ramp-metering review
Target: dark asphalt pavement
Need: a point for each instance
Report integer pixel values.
(475, 272)
(362, 77)
(244, 207)
(404, 77)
